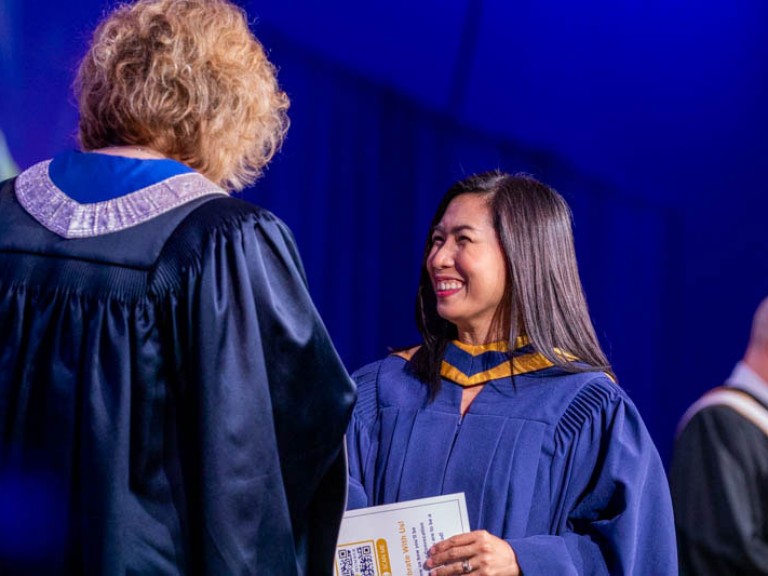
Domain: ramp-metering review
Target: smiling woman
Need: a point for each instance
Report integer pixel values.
(513, 400)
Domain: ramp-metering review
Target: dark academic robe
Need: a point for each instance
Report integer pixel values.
(559, 465)
(170, 401)
(719, 480)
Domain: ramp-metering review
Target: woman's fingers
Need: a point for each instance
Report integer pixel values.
(464, 567)
(450, 554)
(477, 552)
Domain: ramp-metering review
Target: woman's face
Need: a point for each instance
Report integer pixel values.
(467, 267)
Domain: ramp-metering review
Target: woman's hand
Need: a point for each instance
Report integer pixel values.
(478, 553)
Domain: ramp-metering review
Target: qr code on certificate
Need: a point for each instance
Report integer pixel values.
(356, 559)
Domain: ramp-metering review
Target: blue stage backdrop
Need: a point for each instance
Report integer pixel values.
(649, 117)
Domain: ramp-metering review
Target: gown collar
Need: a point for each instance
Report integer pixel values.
(157, 191)
(468, 365)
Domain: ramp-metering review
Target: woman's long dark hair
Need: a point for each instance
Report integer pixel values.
(544, 298)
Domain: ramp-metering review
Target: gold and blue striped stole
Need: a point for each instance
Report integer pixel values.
(471, 365)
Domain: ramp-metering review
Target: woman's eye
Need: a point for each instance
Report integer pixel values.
(437, 239)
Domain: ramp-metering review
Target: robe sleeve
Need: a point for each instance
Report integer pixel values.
(361, 442)
(268, 401)
(719, 480)
(612, 512)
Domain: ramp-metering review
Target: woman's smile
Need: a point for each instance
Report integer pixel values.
(445, 288)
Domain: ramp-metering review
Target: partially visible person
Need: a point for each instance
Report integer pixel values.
(510, 400)
(719, 472)
(8, 167)
(170, 400)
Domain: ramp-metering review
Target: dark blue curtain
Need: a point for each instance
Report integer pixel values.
(359, 179)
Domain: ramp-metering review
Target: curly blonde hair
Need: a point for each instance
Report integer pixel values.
(187, 78)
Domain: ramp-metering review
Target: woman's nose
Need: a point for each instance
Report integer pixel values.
(442, 256)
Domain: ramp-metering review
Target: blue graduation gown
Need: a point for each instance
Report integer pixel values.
(559, 465)
(167, 387)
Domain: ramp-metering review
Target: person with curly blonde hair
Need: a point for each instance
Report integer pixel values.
(187, 80)
(170, 400)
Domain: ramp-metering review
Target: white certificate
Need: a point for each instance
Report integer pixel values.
(393, 539)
